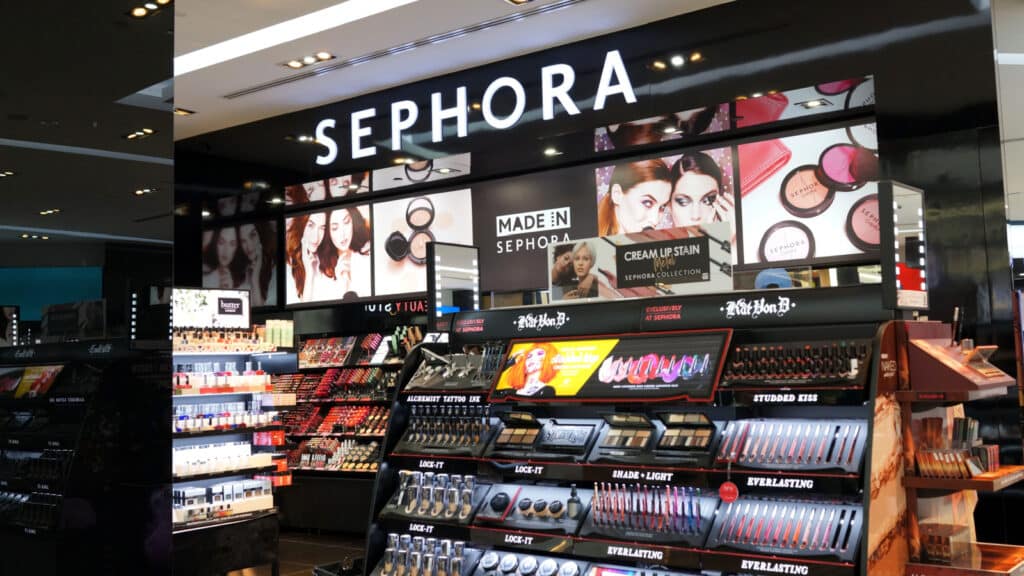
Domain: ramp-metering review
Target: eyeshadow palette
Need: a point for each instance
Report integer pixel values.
(523, 436)
(496, 562)
(650, 513)
(449, 498)
(673, 438)
(805, 529)
(535, 508)
(792, 444)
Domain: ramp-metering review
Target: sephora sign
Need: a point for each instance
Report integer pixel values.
(556, 85)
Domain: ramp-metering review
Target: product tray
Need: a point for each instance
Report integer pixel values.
(653, 456)
(393, 510)
(628, 530)
(475, 450)
(511, 518)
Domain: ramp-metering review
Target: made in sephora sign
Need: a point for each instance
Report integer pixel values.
(556, 82)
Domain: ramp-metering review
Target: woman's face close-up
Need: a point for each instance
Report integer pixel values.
(340, 186)
(534, 360)
(250, 239)
(341, 229)
(693, 200)
(563, 261)
(582, 262)
(315, 191)
(314, 232)
(227, 246)
(639, 208)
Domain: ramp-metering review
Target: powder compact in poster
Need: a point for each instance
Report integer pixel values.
(419, 215)
(535, 508)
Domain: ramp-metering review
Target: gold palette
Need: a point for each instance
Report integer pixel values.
(626, 438)
(686, 431)
(516, 436)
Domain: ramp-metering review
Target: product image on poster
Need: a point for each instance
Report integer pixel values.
(421, 171)
(195, 308)
(675, 191)
(665, 128)
(9, 380)
(848, 94)
(810, 198)
(243, 257)
(327, 255)
(402, 230)
(37, 381)
(644, 368)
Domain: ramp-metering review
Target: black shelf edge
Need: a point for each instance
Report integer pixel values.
(221, 522)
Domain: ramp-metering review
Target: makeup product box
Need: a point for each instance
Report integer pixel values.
(944, 543)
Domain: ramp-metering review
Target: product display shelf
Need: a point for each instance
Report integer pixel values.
(227, 431)
(937, 378)
(231, 473)
(561, 458)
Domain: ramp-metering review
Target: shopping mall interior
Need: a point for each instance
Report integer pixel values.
(512, 288)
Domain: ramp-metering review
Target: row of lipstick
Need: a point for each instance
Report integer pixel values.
(671, 509)
(822, 529)
(817, 361)
(780, 442)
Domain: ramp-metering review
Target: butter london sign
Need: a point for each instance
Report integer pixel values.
(556, 81)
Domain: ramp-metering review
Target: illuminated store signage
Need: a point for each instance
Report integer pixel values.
(556, 83)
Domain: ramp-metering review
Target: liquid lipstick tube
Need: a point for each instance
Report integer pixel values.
(823, 544)
(760, 525)
(751, 447)
(764, 445)
(842, 446)
(853, 444)
(807, 530)
(750, 526)
(771, 523)
(799, 525)
(792, 446)
(727, 517)
(789, 527)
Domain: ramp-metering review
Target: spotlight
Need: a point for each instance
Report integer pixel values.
(294, 64)
(552, 151)
(756, 95)
(475, 106)
(677, 61)
(139, 12)
(816, 103)
(276, 200)
(309, 60)
(671, 129)
(444, 170)
(659, 65)
(324, 56)
(150, 6)
(696, 57)
(206, 213)
(183, 112)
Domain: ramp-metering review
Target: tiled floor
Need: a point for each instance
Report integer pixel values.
(301, 552)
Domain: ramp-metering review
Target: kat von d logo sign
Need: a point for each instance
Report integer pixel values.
(539, 322)
(754, 309)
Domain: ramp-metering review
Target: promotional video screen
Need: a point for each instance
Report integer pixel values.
(625, 368)
(243, 257)
(327, 255)
(195, 308)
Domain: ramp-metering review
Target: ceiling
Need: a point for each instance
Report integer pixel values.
(61, 128)
(200, 23)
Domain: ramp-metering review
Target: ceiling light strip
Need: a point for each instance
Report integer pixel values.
(80, 234)
(85, 151)
(434, 39)
(283, 32)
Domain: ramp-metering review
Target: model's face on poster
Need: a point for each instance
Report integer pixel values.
(534, 360)
(250, 239)
(314, 232)
(693, 200)
(582, 261)
(341, 229)
(639, 208)
(563, 262)
(227, 246)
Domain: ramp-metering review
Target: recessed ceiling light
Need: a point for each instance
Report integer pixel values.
(756, 95)
(276, 200)
(144, 191)
(400, 160)
(140, 134)
(294, 64)
(671, 129)
(816, 103)
(353, 187)
(475, 106)
(304, 138)
(324, 56)
(206, 213)
(444, 170)
(6, 173)
(183, 112)
(696, 57)
(24, 235)
(552, 151)
(163, 2)
(659, 65)
(45, 237)
(150, 6)
(49, 212)
(677, 60)
(309, 60)
(139, 12)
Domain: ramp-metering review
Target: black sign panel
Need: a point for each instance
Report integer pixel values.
(669, 262)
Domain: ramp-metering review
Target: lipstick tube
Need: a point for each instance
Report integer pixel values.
(771, 523)
(767, 439)
(751, 447)
(842, 446)
(728, 516)
(778, 525)
(853, 444)
(799, 526)
(823, 544)
(826, 439)
(807, 529)
(789, 527)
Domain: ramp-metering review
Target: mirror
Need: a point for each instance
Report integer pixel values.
(905, 274)
(453, 279)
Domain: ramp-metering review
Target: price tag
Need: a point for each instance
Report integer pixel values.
(728, 492)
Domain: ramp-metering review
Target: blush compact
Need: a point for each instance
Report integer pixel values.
(804, 192)
(847, 167)
(863, 94)
(419, 215)
(863, 224)
(787, 240)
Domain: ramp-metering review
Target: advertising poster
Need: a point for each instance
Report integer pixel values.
(422, 171)
(9, 380)
(582, 269)
(8, 325)
(74, 321)
(328, 255)
(518, 219)
(676, 191)
(625, 368)
(37, 381)
(194, 308)
(321, 190)
(810, 197)
(243, 257)
(820, 99)
(666, 128)
(402, 230)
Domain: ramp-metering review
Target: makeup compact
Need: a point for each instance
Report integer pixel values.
(626, 438)
(496, 562)
(535, 508)
(524, 436)
(785, 241)
(863, 224)
(863, 94)
(688, 438)
(804, 194)
(453, 430)
(419, 215)
(809, 190)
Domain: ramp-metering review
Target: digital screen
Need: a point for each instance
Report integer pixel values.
(37, 380)
(194, 308)
(684, 365)
(328, 255)
(243, 257)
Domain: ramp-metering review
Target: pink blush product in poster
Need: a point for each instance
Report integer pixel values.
(862, 224)
(847, 167)
(787, 240)
(834, 88)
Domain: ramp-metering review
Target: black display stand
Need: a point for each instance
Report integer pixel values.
(832, 499)
(88, 457)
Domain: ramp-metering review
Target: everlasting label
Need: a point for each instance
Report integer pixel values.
(789, 483)
(773, 567)
(640, 553)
